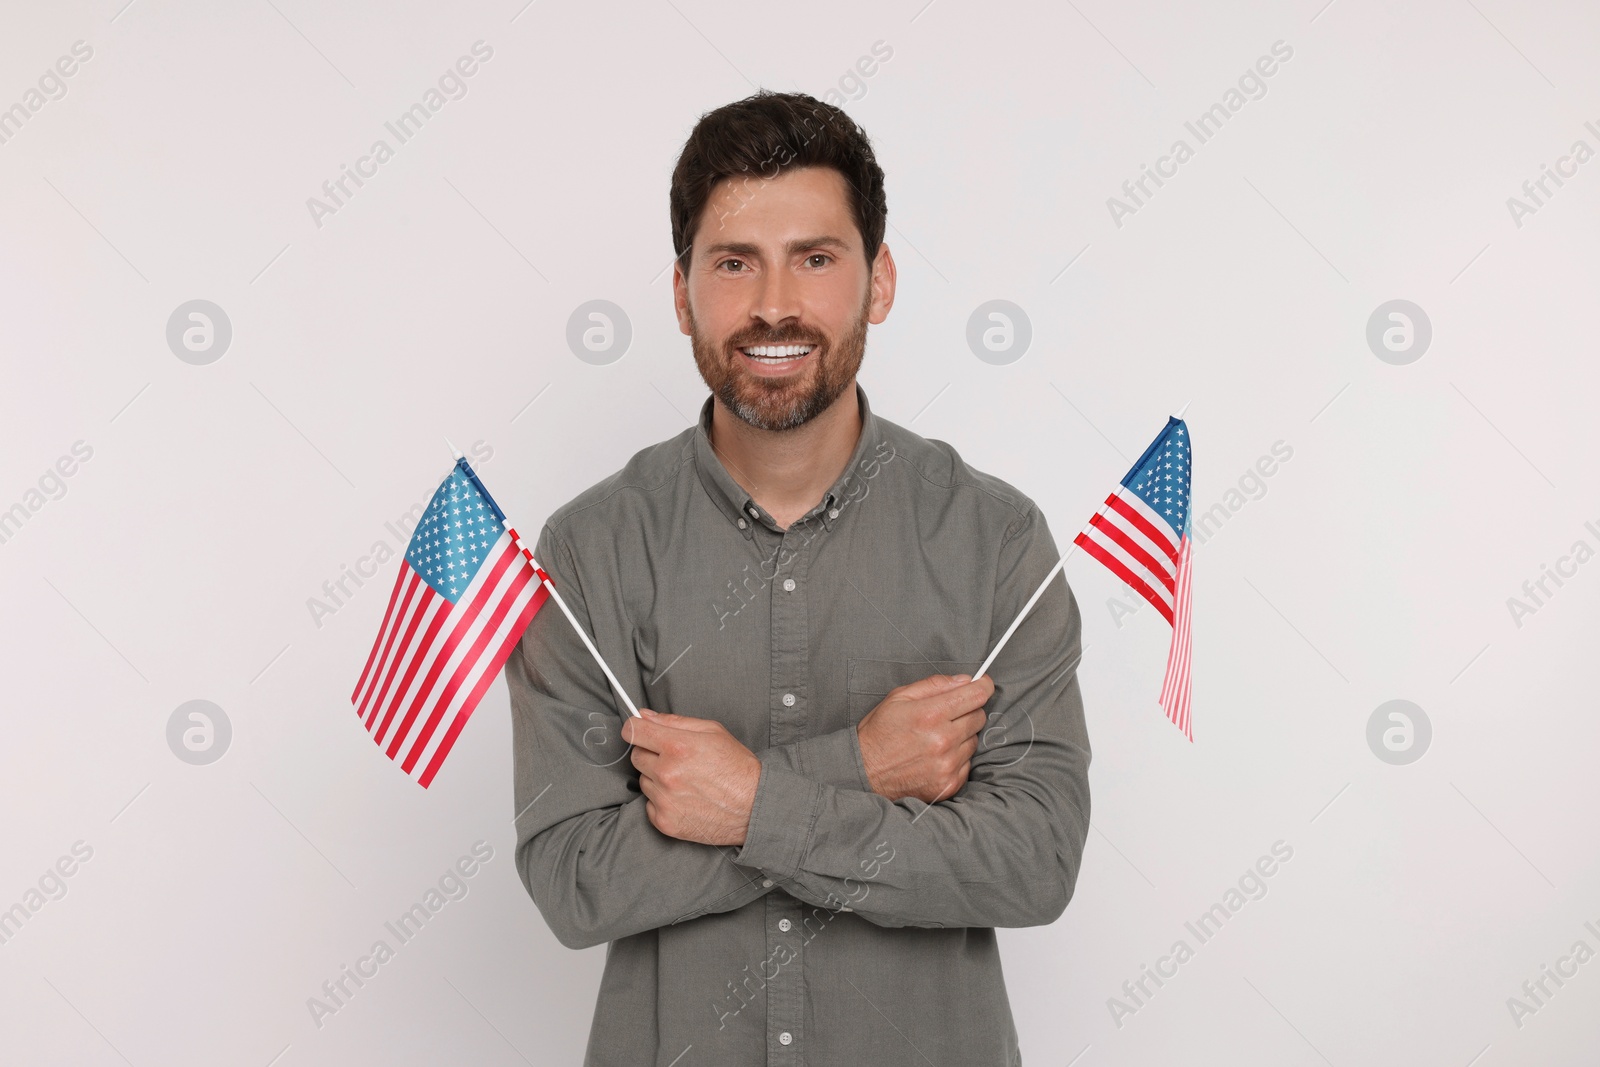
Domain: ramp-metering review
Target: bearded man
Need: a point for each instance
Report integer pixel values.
(801, 849)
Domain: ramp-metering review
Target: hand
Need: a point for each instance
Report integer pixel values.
(919, 741)
(698, 780)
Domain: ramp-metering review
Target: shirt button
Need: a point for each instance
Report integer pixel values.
(833, 513)
(766, 883)
(784, 924)
(785, 1037)
(788, 585)
(788, 700)
(742, 524)
(754, 514)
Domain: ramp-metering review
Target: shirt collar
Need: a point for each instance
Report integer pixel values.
(737, 506)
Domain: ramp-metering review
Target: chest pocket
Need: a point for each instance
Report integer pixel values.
(868, 681)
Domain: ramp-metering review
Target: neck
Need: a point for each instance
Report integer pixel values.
(786, 472)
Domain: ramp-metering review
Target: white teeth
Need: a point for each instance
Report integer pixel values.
(776, 352)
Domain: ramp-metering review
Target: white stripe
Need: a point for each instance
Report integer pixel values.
(1100, 539)
(431, 653)
(473, 676)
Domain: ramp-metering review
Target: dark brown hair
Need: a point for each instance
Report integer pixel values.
(763, 135)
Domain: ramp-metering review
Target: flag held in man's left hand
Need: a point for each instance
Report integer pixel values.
(1143, 535)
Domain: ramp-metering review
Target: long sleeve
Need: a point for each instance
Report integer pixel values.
(831, 759)
(586, 851)
(1004, 851)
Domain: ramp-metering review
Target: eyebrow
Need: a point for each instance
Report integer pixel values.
(744, 248)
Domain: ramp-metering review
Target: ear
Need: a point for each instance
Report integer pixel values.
(882, 283)
(680, 297)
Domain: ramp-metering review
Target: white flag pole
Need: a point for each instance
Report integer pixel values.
(562, 604)
(1037, 593)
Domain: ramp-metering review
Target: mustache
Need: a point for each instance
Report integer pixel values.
(781, 337)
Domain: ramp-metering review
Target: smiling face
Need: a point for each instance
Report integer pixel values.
(778, 295)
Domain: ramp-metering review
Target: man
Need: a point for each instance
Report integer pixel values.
(801, 854)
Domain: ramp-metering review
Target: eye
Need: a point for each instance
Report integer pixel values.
(822, 256)
(726, 262)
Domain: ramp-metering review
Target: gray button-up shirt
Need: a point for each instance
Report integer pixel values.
(848, 929)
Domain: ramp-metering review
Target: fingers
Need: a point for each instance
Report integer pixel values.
(962, 776)
(642, 732)
(981, 689)
(645, 761)
(652, 729)
(953, 785)
(648, 722)
(960, 699)
(949, 789)
(666, 720)
(971, 723)
(959, 692)
(930, 686)
(968, 749)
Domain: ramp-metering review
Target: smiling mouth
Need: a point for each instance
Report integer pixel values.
(776, 355)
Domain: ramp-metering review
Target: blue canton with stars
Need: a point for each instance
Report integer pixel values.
(453, 539)
(1161, 476)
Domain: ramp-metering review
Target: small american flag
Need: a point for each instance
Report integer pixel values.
(465, 592)
(1142, 535)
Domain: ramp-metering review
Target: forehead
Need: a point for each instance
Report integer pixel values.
(803, 202)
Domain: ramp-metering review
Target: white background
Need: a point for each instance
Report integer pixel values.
(434, 303)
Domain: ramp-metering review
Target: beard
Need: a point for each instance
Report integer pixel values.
(790, 401)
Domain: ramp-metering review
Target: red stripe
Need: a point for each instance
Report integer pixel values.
(1143, 525)
(504, 599)
(413, 659)
(516, 539)
(1133, 575)
(1117, 567)
(388, 614)
(462, 621)
(1133, 548)
(402, 654)
(399, 621)
(491, 671)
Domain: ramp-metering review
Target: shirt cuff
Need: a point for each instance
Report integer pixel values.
(832, 759)
(781, 821)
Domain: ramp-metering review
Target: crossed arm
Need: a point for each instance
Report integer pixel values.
(700, 782)
(983, 817)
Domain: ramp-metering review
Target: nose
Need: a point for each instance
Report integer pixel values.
(778, 298)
